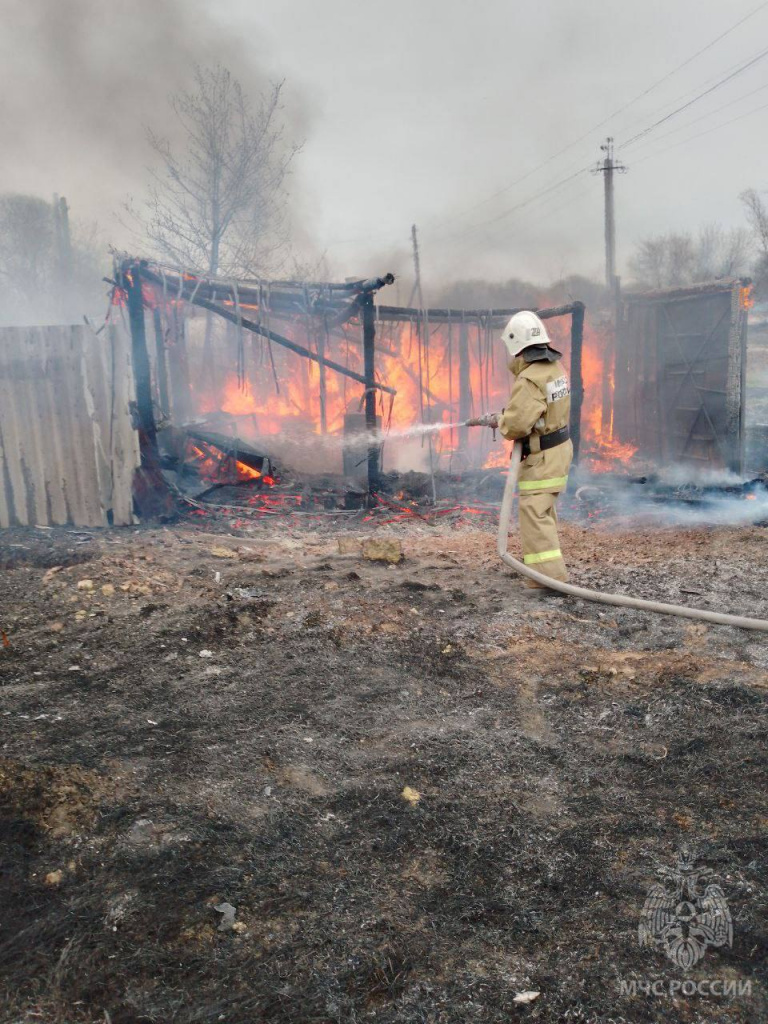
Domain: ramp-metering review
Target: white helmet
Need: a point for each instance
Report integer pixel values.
(524, 329)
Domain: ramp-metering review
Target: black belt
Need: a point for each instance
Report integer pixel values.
(547, 441)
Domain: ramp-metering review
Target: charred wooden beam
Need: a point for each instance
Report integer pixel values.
(692, 291)
(483, 316)
(241, 451)
(369, 356)
(131, 282)
(735, 383)
(151, 495)
(278, 339)
(362, 285)
(162, 370)
(279, 298)
(577, 381)
(178, 367)
(465, 387)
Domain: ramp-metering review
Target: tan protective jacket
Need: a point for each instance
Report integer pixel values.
(540, 403)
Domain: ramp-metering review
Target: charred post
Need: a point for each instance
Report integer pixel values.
(465, 393)
(577, 382)
(162, 372)
(735, 382)
(369, 364)
(151, 495)
(178, 367)
(141, 371)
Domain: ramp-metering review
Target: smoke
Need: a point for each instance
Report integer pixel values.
(681, 496)
(82, 81)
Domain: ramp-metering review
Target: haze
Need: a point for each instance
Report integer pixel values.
(426, 112)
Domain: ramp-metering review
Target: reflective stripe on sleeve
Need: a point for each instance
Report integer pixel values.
(534, 485)
(542, 556)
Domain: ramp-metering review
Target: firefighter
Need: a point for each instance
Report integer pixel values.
(537, 414)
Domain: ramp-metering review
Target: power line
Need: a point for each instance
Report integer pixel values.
(682, 96)
(539, 215)
(699, 135)
(740, 70)
(610, 117)
(571, 202)
(696, 120)
(690, 59)
(462, 233)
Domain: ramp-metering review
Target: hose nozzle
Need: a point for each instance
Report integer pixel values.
(489, 419)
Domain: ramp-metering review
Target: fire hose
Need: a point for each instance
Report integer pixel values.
(618, 600)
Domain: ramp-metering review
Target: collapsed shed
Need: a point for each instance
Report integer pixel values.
(350, 356)
(230, 370)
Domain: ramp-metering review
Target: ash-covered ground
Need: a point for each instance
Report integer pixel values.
(424, 792)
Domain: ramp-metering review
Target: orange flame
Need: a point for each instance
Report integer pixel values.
(285, 394)
(214, 465)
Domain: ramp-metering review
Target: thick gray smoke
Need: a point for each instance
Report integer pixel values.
(81, 81)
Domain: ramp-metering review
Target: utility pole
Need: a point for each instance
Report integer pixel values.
(607, 167)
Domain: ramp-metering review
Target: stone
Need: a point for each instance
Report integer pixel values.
(381, 550)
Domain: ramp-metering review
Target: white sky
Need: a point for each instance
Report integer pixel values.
(417, 111)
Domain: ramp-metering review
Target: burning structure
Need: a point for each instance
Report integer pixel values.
(225, 719)
(235, 378)
(298, 364)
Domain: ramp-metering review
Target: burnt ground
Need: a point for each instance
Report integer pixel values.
(173, 740)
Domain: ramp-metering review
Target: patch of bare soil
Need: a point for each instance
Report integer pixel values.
(423, 791)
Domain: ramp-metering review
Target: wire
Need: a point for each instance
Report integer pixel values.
(699, 135)
(550, 211)
(690, 59)
(606, 120)
(710, 113)
(723, 81)
(518, 206)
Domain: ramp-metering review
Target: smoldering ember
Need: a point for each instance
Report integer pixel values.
(380, 642)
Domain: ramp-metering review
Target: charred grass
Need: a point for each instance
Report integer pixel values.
(560, 755)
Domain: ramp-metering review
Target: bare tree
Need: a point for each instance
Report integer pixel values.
(721, 253)
(217, 203)
(678, 259)
(757, 215)
(648, 265)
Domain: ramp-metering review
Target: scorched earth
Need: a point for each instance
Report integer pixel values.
(425, 795)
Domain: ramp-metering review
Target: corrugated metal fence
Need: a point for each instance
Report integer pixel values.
(68, 449)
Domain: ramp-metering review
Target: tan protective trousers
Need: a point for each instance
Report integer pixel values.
(538, 535)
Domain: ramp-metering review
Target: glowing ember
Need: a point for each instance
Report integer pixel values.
(218, 467)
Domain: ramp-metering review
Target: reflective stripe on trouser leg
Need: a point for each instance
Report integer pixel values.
(538, 535)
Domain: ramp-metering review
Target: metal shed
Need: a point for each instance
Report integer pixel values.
(680, 374)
